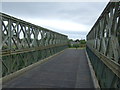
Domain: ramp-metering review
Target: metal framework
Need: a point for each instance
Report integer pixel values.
(24, 43)
(103, 46)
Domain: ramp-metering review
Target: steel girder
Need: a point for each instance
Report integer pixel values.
(24, 43)
(103, 46)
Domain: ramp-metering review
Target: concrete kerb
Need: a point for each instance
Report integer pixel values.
(21, 71)
(94, 78)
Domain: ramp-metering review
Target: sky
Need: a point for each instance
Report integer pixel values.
(74, 19)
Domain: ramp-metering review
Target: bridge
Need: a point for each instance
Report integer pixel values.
(36, 57)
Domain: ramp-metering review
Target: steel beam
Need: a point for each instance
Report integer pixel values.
(24, 43)
(103, 46)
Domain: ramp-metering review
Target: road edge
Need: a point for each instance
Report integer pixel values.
(21, 71)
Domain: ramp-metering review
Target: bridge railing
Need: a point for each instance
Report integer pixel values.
(103, 46)
(24, 43)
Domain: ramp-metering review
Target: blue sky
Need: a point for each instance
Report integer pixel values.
(74, 19)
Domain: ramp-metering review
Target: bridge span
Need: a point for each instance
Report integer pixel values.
(36, 57)
(68, 69)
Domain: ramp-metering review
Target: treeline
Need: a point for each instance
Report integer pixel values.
(77, 43)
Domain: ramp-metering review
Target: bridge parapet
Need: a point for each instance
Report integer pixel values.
(24, 43)
(103, 46)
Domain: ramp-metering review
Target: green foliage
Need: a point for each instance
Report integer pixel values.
(76, 45)
(82, 41)
(70, 40)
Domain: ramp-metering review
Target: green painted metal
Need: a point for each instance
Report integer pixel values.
(24, 43)
(103, 46)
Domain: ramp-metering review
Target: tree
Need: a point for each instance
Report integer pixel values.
(70, 40)
(83, 41)
(77, 40)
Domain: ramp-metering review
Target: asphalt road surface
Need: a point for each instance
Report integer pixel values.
(67, 70)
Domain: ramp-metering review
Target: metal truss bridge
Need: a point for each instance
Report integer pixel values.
(35, 57)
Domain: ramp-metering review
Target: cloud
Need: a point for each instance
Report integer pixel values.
(60, 24)
(72, 18)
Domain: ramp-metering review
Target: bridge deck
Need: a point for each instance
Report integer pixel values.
(66, 70)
